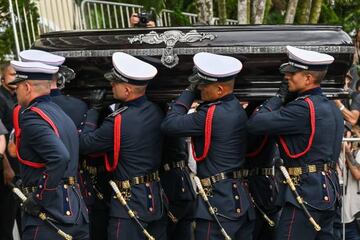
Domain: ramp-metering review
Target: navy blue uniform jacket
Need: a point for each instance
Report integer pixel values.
(226, 153)
(40, 144)
(140, 153)
(75, 108)
(292, 121)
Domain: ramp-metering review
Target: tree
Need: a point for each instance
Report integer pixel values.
(291, 11)
(242, 14)
(222, 11)
(205, 11)
(304, 12)
(315, 11)
(258, 11)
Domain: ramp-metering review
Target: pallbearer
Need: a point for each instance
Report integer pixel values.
(218, 133)
(310, 128)
(48, 150)
(131, 140)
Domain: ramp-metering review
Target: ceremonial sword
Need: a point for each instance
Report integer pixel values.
(128, 209)
(297, 196)
(41, 215)
(211, 209)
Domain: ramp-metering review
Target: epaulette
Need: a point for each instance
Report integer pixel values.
(302, 97)
(214, 103)
(118, 111)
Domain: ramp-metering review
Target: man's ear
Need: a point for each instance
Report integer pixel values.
(128, 90)
(220, 89)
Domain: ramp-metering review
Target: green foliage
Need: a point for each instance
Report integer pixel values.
(345, 13)
(275, 11)
(7, 43)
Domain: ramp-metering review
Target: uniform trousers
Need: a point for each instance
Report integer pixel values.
(237, 230)
(295, 225)
(126, 229)
(263, 231)
(44, 232)
(182, 229)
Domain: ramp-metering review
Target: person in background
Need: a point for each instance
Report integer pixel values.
(350, 177)
(142, 19)
(350, 110)
(8, 205)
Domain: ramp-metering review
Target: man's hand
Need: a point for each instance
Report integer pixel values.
(97, 98)
(151, 24)
(31, 207)
(284, 94)
(9, 175)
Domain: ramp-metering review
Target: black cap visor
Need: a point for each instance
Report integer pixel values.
(289, 68)
(116, 77)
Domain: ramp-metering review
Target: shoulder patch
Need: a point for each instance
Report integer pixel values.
(302, 97)
(214, 103)
(120, 110)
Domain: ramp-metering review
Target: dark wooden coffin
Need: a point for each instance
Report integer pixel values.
(260, 48)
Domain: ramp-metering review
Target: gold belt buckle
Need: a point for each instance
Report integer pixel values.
(125, 184)
(206, 182)
(296, 171)
(91, 170)
(71, 180)
(312, 168)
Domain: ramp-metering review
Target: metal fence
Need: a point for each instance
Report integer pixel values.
(63, 15)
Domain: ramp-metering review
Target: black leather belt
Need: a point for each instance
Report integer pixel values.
(126, 184)
(29, 190)
(93, 170)
(180, 164)
(66, 181)
(262, 172)
(207, 182)
(312, 168)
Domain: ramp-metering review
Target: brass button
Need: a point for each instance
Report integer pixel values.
(40, 186)
(234, 185)
(44, 176)
(238, 210)
(151, 209)
(37, 195)
(236, 197)
(67, 199)
(324, 185)
(65, 186)
(326, 198)
(183, 189)
(323, 173)
(81, 171)
(147, 184)
(149, 196)
(89, 194)
(68, 213)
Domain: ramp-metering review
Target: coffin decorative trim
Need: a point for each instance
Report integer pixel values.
(192, 51)
(169, 58)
